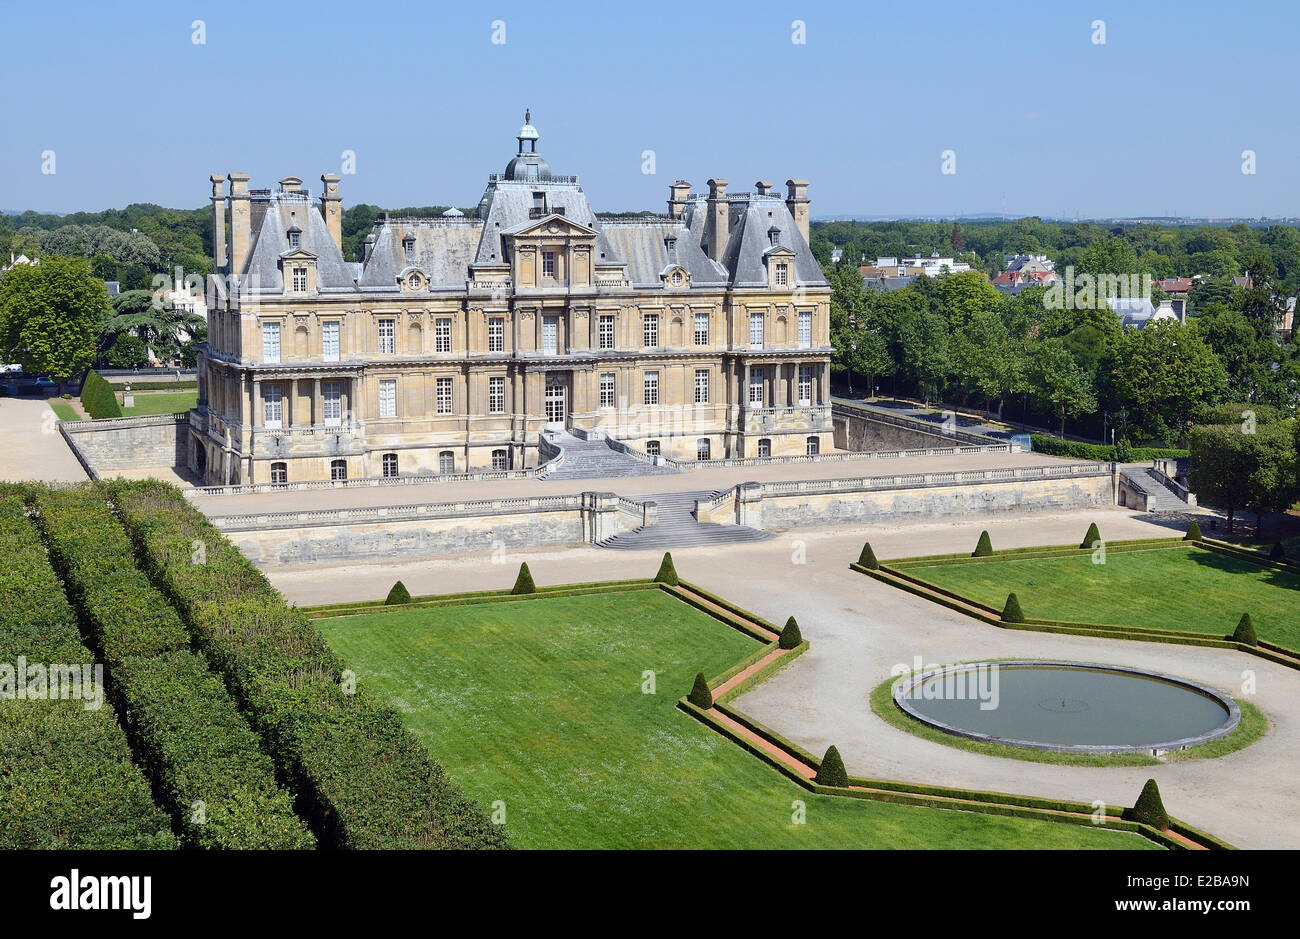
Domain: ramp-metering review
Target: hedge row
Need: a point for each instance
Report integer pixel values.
(67, 781)
(97, 397)
(204, 759)
(1105, 453)
(366, 781)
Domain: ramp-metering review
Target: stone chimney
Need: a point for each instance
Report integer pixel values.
(240, 221)
(763, 187)
(218, 220)
(331, 206)
(796, 201)
(717, 224)
(677, 193)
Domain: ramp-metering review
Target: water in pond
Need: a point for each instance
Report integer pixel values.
(1066, 706)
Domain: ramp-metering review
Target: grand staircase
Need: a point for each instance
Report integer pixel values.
(1160, 498)
(675, 527)
(596, 459)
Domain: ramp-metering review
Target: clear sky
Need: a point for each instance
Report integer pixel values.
(1042, 119)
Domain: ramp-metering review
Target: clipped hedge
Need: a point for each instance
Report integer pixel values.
(67, 780)
(98, 398)
(203, 757)
(1102, 453)
(366, 781)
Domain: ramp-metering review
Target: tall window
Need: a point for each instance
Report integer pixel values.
(387, 332)
(295, 238)
(548, 263)
(651, 388)
(500, 460)
(756, 382)
(550, 329)
(388, 397)
(813, 446)
(805, 384)
(701, 329)
(279, 474)
(329, 341)
(272, 407)
(702, 449)
(782, 274)
(270, 342)
(652, 447)
(496, 395)
(805, 330)
(444, 396)
(390, 464)
(300, 280)
(496, 334)
(606, 389)
(651, 330)
(756, 330)
(339, 471)
(764, 448)
(701, 386)
(442, 335)
(446, 462)
(332, 399)
(606, 331)
(408, 243)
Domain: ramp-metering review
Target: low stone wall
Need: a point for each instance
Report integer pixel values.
(129, 442)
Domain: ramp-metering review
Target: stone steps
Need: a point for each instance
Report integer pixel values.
(596, 459)
(675, 527)
(1159, 496)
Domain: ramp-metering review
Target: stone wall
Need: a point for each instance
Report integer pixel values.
(130, 442)
(858, 433)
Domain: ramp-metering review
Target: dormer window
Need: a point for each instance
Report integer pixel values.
(295, 238)
(774, 236)
(409, 244)
(670, 243)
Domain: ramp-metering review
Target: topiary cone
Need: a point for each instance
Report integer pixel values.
(1245, 631)
(1092, 537)
(1149, 809)
(1193, 532)
(832, 771)
(790, 635)
(667, 573)
(524, 582)
(700, 695)
(868, 558)
(399, 594)
(1011, 613)
(1277, 552)
(984, 547)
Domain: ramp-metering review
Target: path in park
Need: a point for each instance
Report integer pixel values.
(859, 628)
(31, 446)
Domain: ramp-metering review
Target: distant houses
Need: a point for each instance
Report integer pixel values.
(894, 273)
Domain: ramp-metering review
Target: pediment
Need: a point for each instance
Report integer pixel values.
(554, 225)
(297, 254)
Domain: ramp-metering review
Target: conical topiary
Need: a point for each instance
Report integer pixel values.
(1011, 613)
(832, 771)
(1193, 532)
(790, 635)
(524, 582)
(399, 594)
(1150, 809)
(1092, 537)
(700, 695)
(984, 547)
(667, 573)
(1245, 631)
(868, 558)
(1277, 552)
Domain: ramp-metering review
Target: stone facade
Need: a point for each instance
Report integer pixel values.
(455, 340)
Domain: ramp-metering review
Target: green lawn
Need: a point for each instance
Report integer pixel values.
(539, 703)
(1184, 588)
(64, 410)
(161, 402)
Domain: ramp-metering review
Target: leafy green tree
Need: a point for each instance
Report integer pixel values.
(1165, 373)
(922, 338)
(986, 359)
(1058, 382)
(156, 322)
(1234, 469)
(50, 316)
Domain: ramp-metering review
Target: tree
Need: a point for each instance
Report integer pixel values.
(700, 695)
(155, 321)
(398, 595)
(1235, 467)
(983, 547)
(50, 316)
(1149, 808)
(923, 345)
(1245, 631)
(524, 582)
(1057, 381)
(1092, 537)
(667, 572)
(868, 558)
(831, 772)
(986, 359)
(1011, 612)
(790, 637)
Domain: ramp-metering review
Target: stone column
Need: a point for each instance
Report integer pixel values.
(317, 403)
(292, 416)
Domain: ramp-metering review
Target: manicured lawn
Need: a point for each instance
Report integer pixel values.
(64, 410)
(539, 704)
(161, 402)
(1183, 588)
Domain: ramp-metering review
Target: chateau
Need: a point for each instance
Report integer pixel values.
(454, 342)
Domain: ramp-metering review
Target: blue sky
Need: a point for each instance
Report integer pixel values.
(1042, 120)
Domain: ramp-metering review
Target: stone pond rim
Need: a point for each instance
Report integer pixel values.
(1232, 713)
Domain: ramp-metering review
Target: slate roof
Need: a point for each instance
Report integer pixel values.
(271, 240)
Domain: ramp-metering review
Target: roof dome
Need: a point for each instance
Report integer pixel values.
(528, 166)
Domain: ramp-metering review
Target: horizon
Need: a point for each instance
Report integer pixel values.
(871, 123)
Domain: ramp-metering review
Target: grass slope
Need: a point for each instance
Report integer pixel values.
(161, 402)
(539, 704)
(1186, 589)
